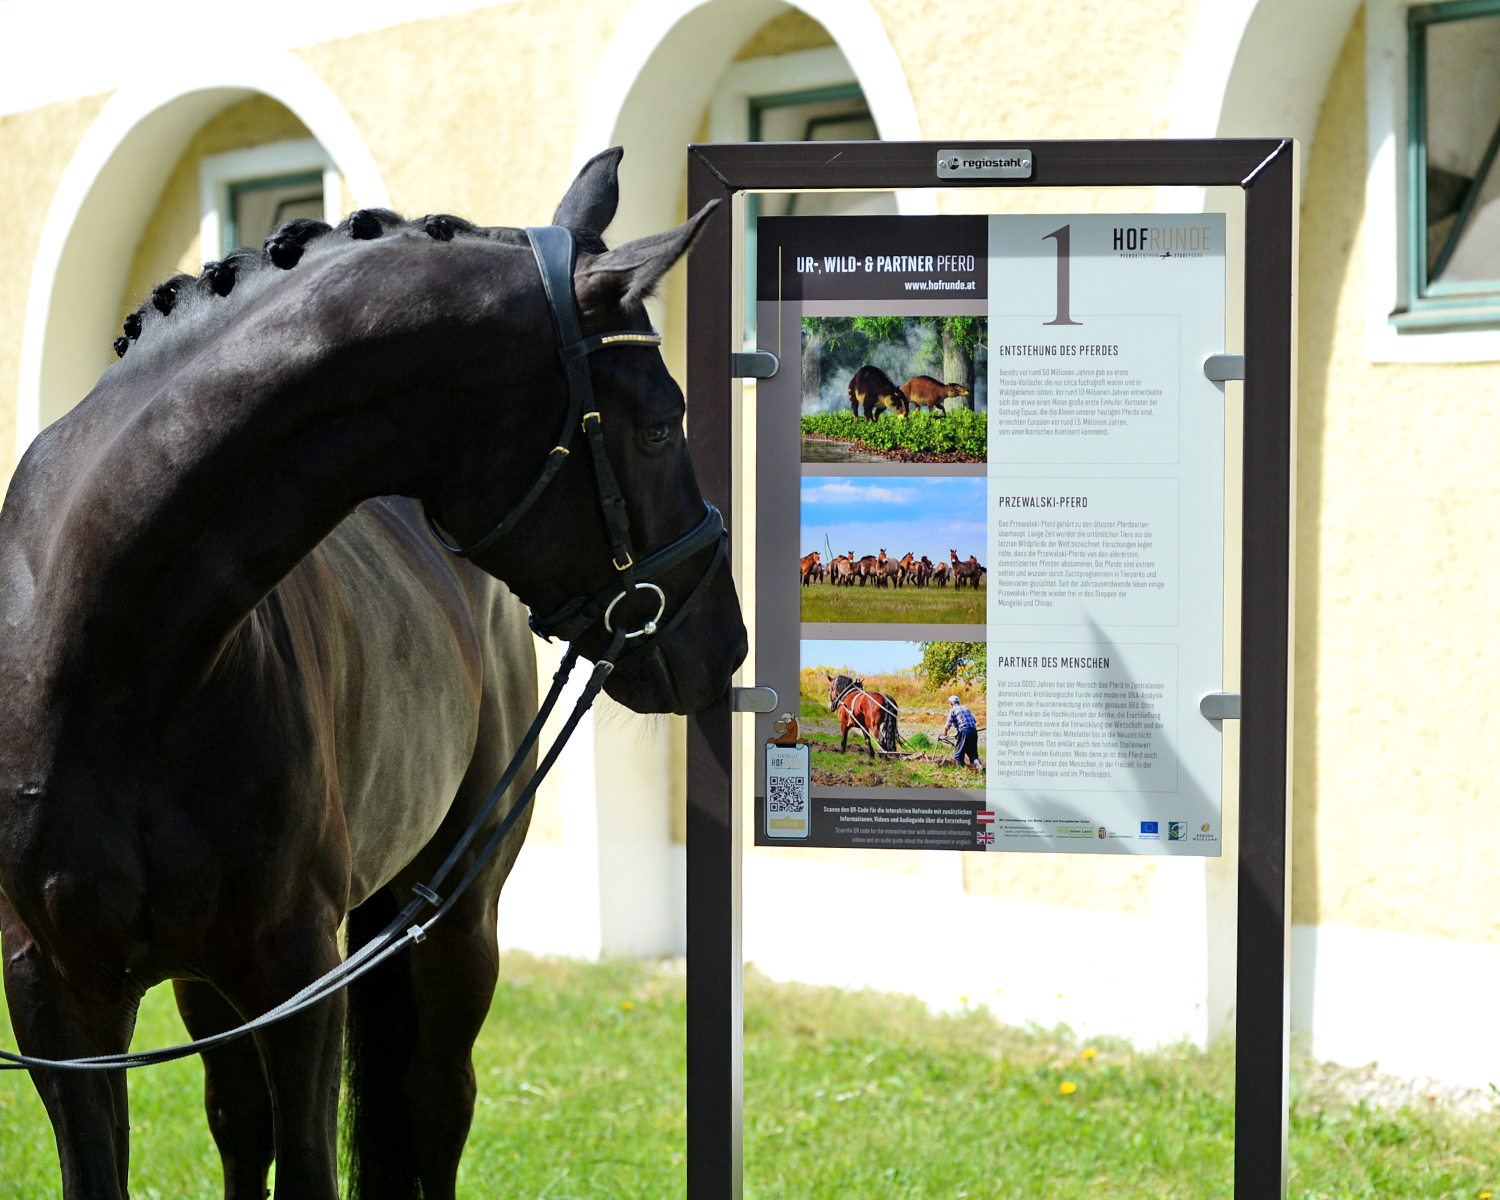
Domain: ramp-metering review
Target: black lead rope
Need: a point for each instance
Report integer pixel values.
(555, 254)
(403, 929)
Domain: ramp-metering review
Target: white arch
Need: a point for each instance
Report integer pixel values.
(659, 71)
(1258, 68)
(112, 186)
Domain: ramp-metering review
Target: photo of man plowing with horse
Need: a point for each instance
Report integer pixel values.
(915, 389)
(894, 714)
(924, 567)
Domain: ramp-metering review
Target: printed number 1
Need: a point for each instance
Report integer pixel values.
(1062, 235)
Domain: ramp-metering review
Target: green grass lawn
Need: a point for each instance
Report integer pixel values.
(945, 605)
(846, 1095)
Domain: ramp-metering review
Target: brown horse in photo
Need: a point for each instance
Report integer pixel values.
(969, 572)
(905, 569)
(926, 392)
(872, 388)
(810, 567)
(963, 572)
(868, 712)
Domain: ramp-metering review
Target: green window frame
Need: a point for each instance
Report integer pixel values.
(231, 233)
(1429, 305)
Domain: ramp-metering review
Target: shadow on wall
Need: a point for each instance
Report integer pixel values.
(1333, 202)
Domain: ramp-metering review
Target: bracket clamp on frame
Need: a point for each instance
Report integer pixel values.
(759, 364)
(755, 699)
(1220, 367)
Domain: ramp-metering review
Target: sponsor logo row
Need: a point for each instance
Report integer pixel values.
(1150, 831)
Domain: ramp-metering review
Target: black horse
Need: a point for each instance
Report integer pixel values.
(244, 693)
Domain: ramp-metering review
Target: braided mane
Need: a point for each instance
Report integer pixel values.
(183, 308)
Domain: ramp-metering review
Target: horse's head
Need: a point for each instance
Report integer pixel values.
(837, 686)
(562, 548)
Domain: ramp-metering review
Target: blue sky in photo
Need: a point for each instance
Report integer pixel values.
(866, 658)
(922, 515)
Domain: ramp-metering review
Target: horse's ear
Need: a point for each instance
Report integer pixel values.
(622, 278)
(594, 193)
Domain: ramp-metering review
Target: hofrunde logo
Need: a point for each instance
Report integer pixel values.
(1163, 241)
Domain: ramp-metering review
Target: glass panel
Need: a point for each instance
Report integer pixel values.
(843, 120)
(1463, 110)
(832, 114)
(926, 1023)
(259, 207)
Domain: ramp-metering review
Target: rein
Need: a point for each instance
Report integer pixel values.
(555, 253)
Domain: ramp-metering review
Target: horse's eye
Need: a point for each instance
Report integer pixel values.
(657, 436)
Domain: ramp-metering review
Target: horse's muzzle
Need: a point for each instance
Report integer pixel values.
(690, 669)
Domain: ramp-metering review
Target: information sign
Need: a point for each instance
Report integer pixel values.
(914, 275)
(992, 506)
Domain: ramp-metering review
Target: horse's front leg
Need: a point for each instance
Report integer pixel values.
(235, 1094)
(89, 1110)
(844, 729)
(302, 1054)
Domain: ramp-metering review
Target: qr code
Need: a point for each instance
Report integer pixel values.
(785, 794)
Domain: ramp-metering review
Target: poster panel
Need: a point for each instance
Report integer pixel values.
(993, 456)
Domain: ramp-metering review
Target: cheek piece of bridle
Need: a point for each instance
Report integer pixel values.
(555, 254)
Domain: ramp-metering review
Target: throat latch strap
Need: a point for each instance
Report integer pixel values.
(556, 253)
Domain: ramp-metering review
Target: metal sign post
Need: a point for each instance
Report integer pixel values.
(1266, 169)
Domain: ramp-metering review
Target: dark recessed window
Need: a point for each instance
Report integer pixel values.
(1453, 260)
(837, 113)
(259, 206)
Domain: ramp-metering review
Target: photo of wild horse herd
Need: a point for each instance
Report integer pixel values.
(923, 568)
(882, 570)
(894, 714)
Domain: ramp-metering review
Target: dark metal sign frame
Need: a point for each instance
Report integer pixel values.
(1266, 168)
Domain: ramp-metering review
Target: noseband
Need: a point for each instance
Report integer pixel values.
(556, 253)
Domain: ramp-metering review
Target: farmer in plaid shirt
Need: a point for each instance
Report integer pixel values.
(965, 733)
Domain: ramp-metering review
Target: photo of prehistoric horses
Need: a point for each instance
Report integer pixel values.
(893, 549)
(894, 389)
(880, 714)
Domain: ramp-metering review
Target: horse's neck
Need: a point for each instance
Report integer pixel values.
(161, 512)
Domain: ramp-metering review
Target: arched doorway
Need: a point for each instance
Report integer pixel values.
(113, 188)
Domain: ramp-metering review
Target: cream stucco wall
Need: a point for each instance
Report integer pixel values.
(475, 113)
(1073, 69)
(1398, 584)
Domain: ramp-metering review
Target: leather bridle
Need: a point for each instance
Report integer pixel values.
(555, 254)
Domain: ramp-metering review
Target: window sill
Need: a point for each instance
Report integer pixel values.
(1433, 318)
